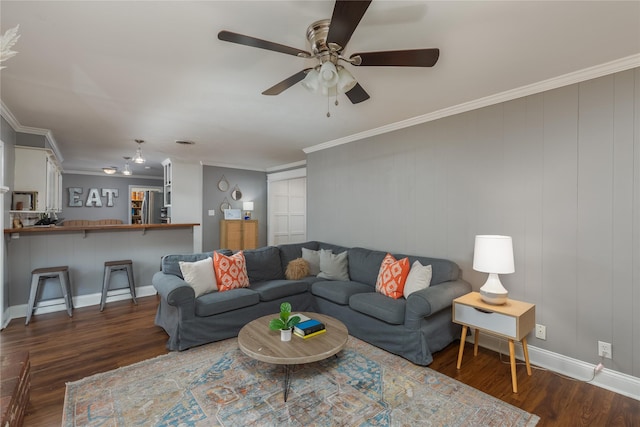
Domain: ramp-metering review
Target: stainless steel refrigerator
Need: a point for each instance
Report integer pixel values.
(152, 203)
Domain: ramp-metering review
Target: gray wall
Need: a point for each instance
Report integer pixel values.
(253, 186)
(119, 210)
(558, 171)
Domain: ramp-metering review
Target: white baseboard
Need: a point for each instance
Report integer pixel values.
(57, 304)
(618, 382)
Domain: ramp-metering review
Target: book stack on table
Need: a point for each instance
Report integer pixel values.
(309, 328)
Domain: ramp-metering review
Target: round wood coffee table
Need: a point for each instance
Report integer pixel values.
(257, 341)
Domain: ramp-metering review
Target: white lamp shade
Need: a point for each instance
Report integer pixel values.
(310, 82)
(328, 75)
(346, 81)
(493, 254)
(247, 206)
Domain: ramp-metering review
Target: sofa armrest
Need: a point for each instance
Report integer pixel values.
(425, 302)
(176, 292)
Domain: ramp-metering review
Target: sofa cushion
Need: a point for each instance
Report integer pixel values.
(263, 264)
(313, 258)
(392, 276)
(199, 275)
(169, 263)
(442, 270)
(419, 278)
(221, 302)
(297, 269)
(231, 271)
(364, 265)
(291, 251)
(379, 306)
(275, 289)
(334, 266)
(338, 292)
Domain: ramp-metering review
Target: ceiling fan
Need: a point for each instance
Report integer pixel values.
(328, 39)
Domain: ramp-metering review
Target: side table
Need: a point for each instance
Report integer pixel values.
(512, 320)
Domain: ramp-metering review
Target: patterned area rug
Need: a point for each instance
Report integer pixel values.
(217, 385)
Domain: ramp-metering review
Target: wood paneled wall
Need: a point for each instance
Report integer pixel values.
(559, 171)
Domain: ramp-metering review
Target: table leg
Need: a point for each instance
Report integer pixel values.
(476, 340)
(462, 339)
(525, 350)
(287, 380)
(512, 358)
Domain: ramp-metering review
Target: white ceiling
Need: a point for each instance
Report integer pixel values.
(99, 74)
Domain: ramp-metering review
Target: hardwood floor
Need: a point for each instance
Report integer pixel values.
(64, 349)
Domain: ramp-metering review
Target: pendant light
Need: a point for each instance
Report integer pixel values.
(127, 169)
(138, 158)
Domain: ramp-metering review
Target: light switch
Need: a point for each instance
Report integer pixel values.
(212, 212)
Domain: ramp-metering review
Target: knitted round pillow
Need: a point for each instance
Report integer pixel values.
(297, 269)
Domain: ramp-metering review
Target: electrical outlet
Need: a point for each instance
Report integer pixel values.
(541, 332)
(604, 349)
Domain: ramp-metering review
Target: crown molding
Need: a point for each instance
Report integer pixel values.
(293, 165)
(590, 73)
(13, 122)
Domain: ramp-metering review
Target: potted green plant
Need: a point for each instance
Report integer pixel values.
(285, 322)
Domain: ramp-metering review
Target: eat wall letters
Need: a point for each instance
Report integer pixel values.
(94, 197)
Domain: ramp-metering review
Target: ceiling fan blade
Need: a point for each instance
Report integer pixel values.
(400, 58)
(357, 94)
(346, 17)
(278, 88)
(228, 36)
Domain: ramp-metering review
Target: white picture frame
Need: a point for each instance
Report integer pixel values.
(232, 214)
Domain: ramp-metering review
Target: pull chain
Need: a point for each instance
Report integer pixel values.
(328, 113)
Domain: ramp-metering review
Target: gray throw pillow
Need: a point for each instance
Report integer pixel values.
(313, 258)
(333, 267)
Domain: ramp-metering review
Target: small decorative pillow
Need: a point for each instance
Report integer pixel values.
(231, 271)
(392, 276)
(297, 269)
(419, 278)
(313, 258)
(199, 275)
(333, 267)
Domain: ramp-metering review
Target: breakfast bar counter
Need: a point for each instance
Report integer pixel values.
(85, 228)
(85, 249)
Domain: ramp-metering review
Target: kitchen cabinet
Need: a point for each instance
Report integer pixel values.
(37, 171)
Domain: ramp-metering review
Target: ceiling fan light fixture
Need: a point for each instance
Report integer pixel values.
(328, 75)
(346, 81)
(310, 82)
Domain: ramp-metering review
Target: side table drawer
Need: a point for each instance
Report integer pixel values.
(495, 322)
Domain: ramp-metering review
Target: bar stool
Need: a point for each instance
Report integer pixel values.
(112, 266)
(39, 275)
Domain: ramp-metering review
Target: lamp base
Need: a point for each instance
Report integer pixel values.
(492, 298)
(492, 292)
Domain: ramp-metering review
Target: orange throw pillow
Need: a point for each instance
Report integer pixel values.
(392, 276)
(231, 271)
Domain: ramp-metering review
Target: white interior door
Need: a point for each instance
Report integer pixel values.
(287, 207)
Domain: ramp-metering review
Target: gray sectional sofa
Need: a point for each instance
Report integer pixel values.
(413, 328)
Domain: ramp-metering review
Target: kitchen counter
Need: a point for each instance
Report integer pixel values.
(85, 228)
(85, 249)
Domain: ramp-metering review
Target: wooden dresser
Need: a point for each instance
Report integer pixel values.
(238, 234)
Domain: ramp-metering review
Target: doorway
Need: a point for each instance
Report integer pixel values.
(137, 196)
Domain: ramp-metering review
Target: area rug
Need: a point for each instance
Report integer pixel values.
(217, 385)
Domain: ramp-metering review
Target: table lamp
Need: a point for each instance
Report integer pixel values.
(247, 207)
(493, 255)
